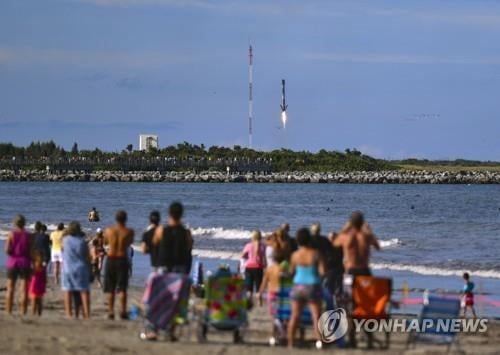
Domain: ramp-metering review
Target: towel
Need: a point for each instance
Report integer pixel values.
(165, 296)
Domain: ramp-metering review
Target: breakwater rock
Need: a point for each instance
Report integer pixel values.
(356, 177)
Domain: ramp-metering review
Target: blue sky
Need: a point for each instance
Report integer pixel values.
(391, 78)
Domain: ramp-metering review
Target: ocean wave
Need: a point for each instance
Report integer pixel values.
(435, 271)
(217, 254)
(390, 243)
(222, 233)
(417, 269)
(230, 233)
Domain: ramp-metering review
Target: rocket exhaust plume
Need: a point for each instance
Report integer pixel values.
(283, 118)
(283, 105)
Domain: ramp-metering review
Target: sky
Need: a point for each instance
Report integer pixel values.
(394, 79)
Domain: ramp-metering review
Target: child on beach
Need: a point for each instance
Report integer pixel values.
(38, 283)
(468, 298)
(271, 281)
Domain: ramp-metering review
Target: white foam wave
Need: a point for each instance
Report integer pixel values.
(6, 228)
(50, 226)
(390, 243)
(418, 269)
(221, 233)
(216, 254)
(435, 271)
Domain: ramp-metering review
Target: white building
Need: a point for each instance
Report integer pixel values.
(148, 141)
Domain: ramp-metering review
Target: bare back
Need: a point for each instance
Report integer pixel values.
(356, 247)
(118, 238)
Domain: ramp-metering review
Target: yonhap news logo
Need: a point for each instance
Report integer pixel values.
(333, 325)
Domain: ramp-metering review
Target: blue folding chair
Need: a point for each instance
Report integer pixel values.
(438, 310)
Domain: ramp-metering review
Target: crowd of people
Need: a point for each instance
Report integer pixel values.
(315, 263)
(77, 261)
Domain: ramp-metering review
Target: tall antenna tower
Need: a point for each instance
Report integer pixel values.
(250, 95)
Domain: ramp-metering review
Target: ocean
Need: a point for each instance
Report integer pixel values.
(430, 234)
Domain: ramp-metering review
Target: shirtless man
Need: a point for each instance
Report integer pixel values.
(118, 238)
(355, 240)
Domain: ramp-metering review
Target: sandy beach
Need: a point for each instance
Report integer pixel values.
(53, 334)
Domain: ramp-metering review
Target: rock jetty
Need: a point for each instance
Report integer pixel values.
(356, 177)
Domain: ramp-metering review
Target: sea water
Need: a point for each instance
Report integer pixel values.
(430, 234)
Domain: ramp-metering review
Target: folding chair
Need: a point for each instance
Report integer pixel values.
(437, 309)
(283, 313)
(371, 298)
(225, 306)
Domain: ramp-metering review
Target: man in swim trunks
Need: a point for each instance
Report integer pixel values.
(356, 239)
(118, 238)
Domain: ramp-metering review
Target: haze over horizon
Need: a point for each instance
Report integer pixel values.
(394, 81)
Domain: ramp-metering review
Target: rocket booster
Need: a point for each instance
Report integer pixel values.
(283, 100)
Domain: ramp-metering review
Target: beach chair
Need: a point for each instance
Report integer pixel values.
(165, 301)
(283, 312)
(436, 309)
(371, 298)
(225, 306)
(197, 277)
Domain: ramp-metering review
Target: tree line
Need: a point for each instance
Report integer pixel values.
(279, 159)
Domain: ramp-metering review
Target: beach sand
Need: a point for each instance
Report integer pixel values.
(53, 334)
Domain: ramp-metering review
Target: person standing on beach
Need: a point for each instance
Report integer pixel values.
(468, 295)
(336, 269)
(41, 243)
(18, 248)
(174, 242)
(356, 240)
(325, 249)
(56, 238)
(116, 274)
(76, 269)
(282, 244)
(292, 243)
(270, 242)
(147, 245)
(38, 283)
(97, 253)
(254, 254)
(307, 266)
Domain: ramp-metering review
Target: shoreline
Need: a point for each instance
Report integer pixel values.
(356, 177)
